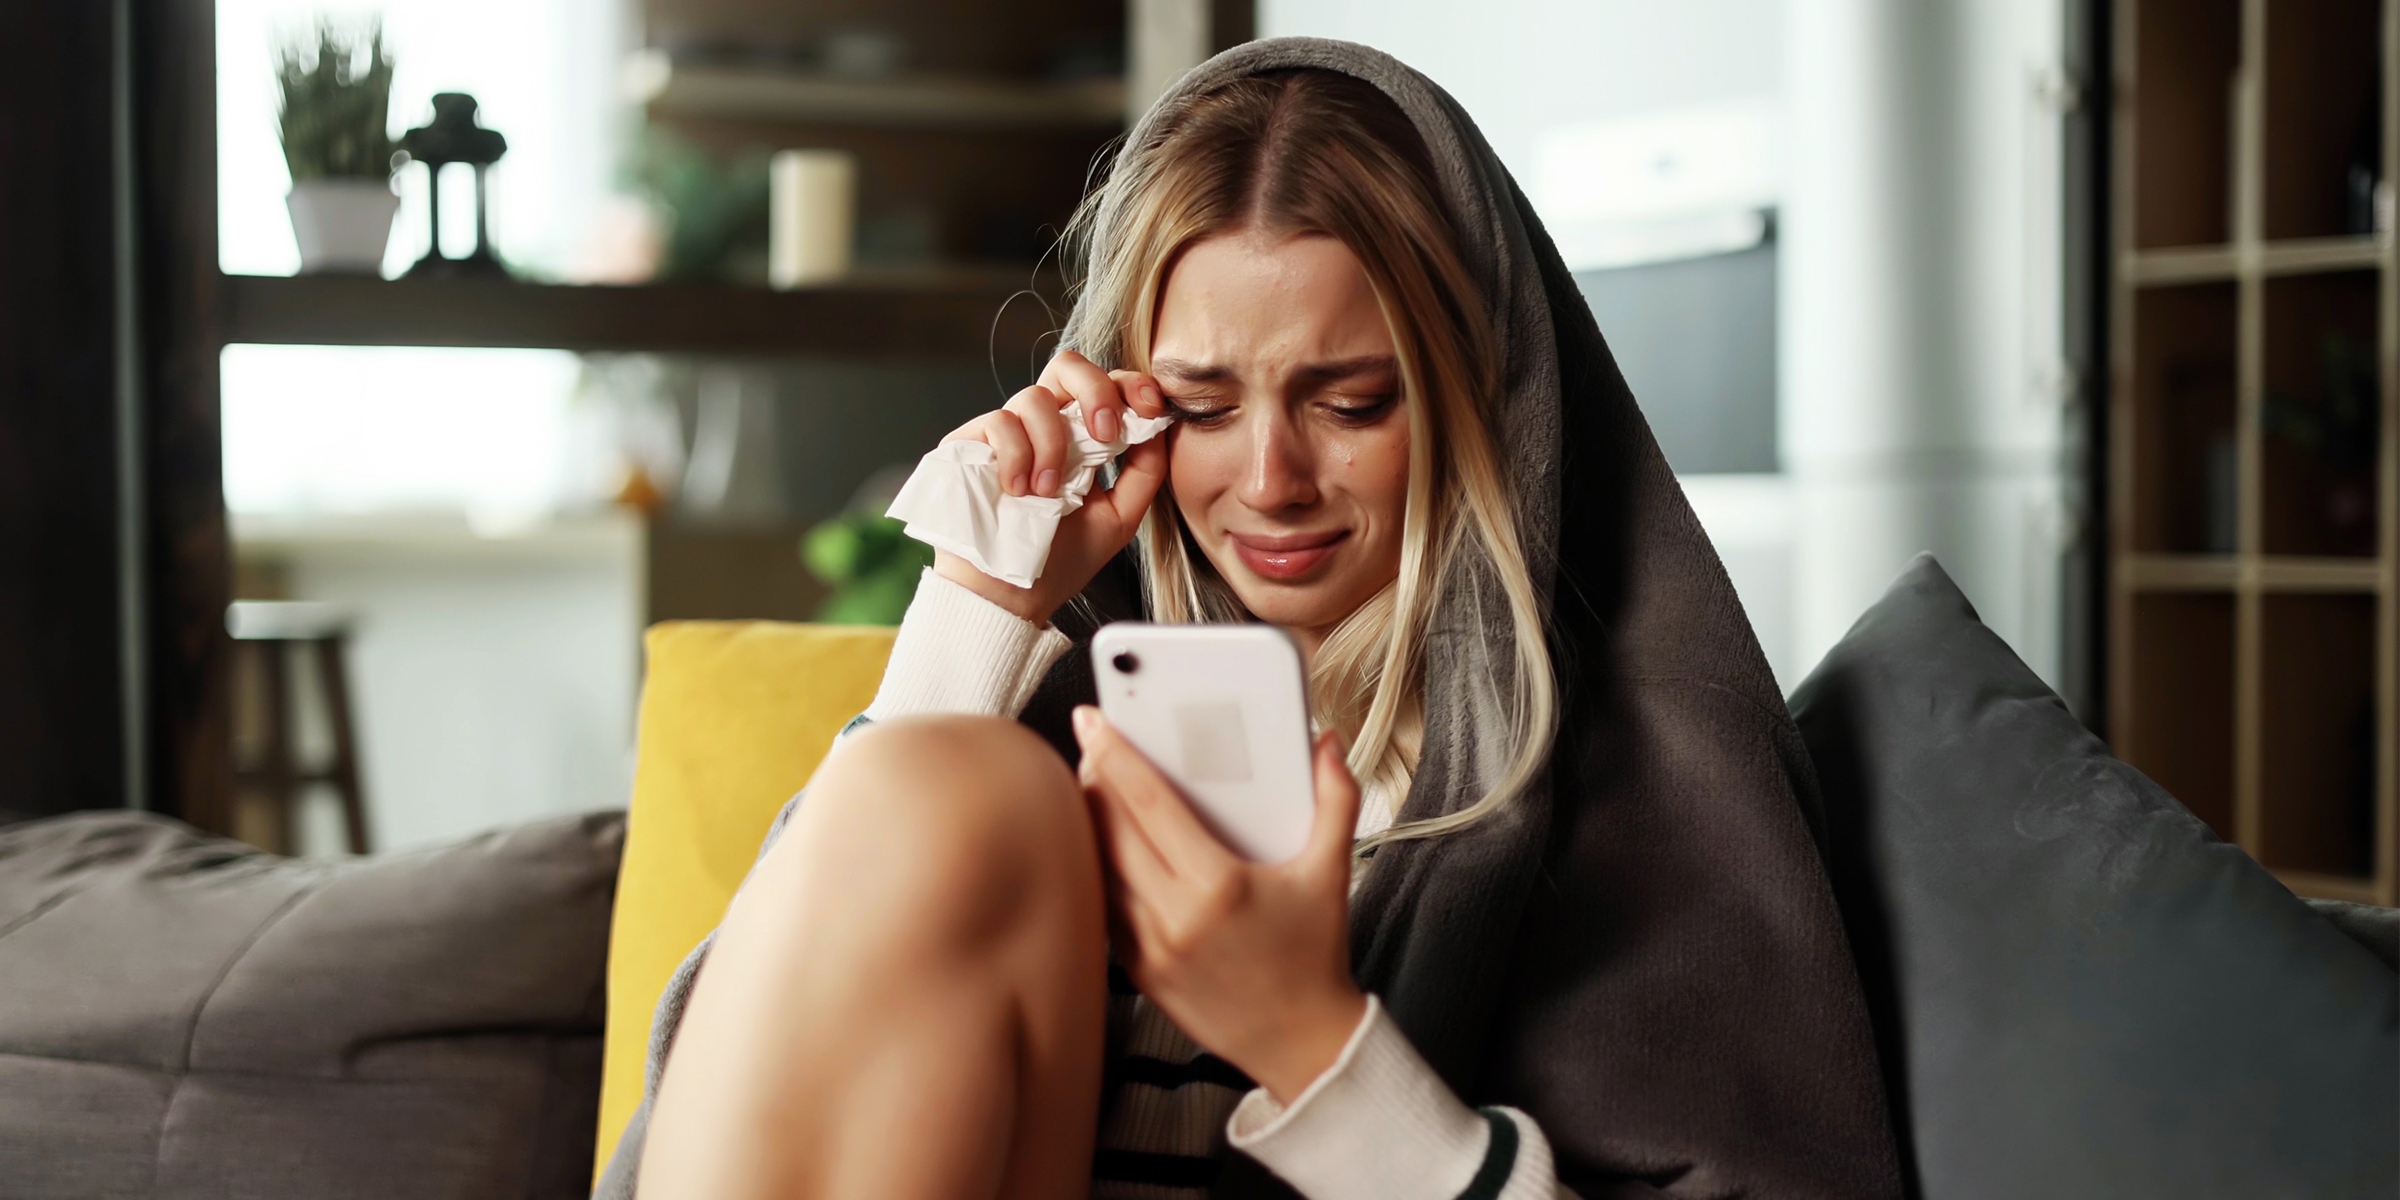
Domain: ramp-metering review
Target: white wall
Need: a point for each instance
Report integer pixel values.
(1525, 67)
(1923, 377)
(1749, 518)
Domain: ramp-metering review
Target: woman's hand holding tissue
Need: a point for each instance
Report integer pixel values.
(1031, 445)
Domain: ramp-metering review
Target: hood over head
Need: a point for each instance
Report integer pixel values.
(1642, 952)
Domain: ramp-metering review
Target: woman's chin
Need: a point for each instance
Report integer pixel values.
(1313, 604)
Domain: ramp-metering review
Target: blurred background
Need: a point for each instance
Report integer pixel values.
(2092, 299)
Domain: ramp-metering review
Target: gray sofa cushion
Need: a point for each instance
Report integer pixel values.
(2378, 929)
(184, 1016)
(2079, 990)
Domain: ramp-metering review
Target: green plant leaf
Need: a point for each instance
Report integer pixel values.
(334, 106)
(831, 551)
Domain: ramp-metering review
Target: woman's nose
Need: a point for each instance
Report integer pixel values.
(1281, 473)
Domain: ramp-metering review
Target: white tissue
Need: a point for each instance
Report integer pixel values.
(953, 501)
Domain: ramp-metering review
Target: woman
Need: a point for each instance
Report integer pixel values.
(1585, 893)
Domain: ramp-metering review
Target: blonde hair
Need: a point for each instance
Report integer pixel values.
(1318, 152)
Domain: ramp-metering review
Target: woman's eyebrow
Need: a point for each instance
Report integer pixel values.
(1342, 368)
(1190, 372)
(1349, 368)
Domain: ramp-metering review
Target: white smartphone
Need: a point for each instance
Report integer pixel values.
(1222, 711)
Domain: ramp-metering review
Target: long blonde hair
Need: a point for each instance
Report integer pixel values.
(1319, 152)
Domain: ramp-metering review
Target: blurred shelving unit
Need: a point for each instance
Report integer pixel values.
(2254, 451)
(974, 124)
(932, 313)
(704, 89)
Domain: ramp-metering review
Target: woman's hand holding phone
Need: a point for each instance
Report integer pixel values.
(1029, 441)
(1251, 959)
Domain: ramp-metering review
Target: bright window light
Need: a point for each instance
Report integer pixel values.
(361, 429)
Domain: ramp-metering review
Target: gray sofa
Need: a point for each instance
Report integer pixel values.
(183, 1016)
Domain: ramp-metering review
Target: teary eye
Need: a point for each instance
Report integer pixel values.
(1198, 411)
(1362, 410)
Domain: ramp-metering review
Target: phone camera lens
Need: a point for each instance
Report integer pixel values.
(1125, 662)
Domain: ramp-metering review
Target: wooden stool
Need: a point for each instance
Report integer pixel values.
(273, 632)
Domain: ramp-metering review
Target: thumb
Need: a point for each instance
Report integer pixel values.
(1336, 823)
(1137, 484)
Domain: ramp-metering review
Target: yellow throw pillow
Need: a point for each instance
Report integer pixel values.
(734, 717)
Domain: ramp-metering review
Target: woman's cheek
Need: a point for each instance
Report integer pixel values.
(1195, 478)
(1377, 463)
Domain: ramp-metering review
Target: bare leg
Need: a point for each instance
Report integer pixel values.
(907, 998)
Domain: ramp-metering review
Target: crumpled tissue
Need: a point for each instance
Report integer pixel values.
(953, 501)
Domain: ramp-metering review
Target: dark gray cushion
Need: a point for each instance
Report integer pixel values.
(2079, 990)
(2378, 929)
(184, 1016)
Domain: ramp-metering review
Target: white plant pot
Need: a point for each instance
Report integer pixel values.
(342, 224)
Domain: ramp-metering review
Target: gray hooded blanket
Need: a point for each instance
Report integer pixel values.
(1643, 953)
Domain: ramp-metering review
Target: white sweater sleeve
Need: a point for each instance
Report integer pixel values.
(1380, 1124)
(960, 653)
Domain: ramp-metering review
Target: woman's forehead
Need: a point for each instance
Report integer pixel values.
(1243, 303)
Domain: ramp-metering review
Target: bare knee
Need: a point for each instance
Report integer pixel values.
(932, 913)
(971, 817)
(945, 778)
(945, 754)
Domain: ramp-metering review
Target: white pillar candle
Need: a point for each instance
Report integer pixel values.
(810, 205)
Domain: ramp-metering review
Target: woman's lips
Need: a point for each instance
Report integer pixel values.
(1285, 555)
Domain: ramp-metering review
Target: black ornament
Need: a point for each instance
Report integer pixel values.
(454, 137)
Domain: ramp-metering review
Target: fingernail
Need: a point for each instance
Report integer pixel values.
(1104, 424)
(1047, 482)
(1016, 485)
(1087, 719)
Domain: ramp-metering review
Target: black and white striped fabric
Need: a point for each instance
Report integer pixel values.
(1164, 1102)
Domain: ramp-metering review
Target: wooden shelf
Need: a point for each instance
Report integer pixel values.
(704, 89)
(2226, 572)
(2254, 579)
(2178, 572)
(956, 314)
(2212, 264)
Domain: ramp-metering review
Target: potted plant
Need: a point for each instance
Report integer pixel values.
(335, 105)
